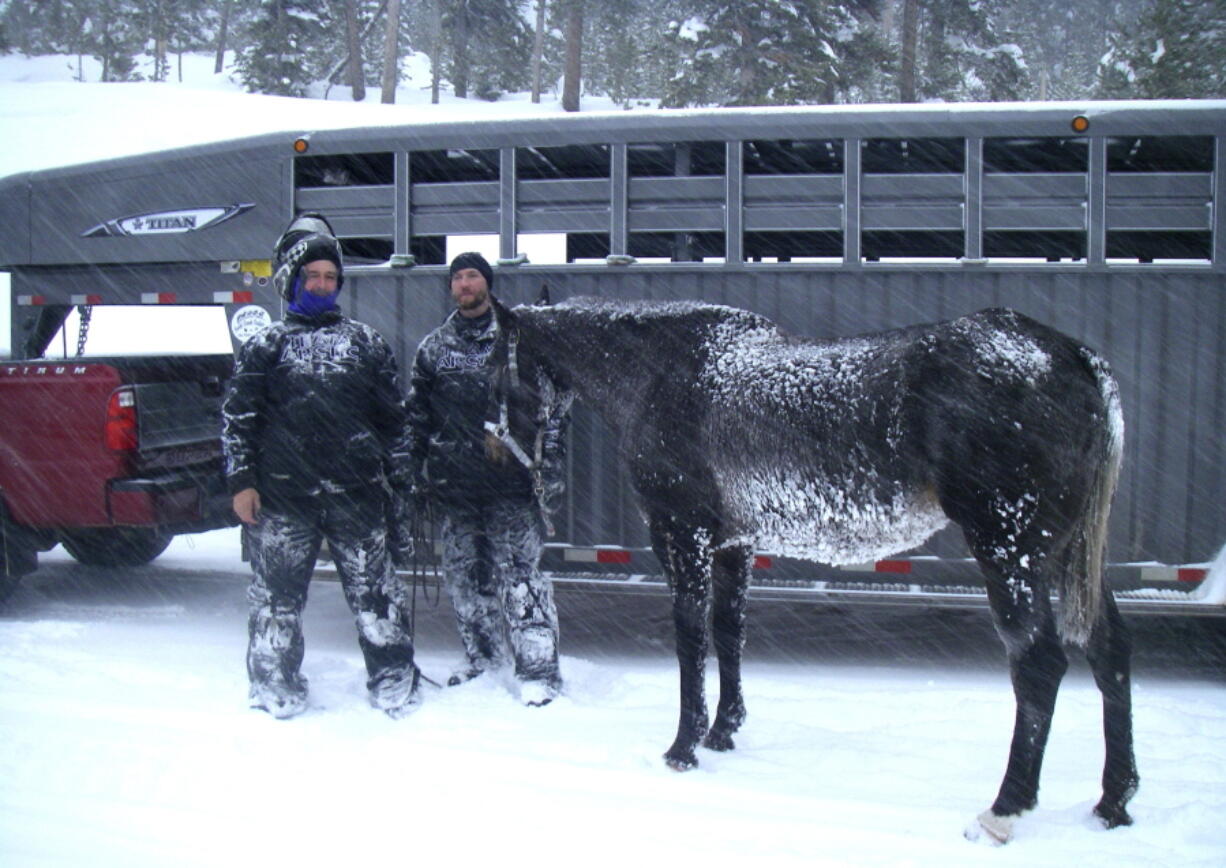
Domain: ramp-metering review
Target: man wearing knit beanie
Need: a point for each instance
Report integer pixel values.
(492, 522)
(313, 434)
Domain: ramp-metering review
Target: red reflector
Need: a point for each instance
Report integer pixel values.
(607, 556)
(1191, 574)
(245, 296)
(166, 298)
(762, 562)
(121, 430)
(892, 567)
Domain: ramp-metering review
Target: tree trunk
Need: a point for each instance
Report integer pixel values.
(910, 38)
(160, 64)
(391, 52)
(436, 49)
(746, 75)
(357, 75)
(222, 32)
(538, 49)
(459, 51)
(572, 76)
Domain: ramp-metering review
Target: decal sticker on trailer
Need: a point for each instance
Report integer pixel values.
(167, 222)
(248, 321)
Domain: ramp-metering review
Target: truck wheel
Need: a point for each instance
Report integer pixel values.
(115, 547)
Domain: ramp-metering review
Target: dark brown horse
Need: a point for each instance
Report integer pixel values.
(742, 438)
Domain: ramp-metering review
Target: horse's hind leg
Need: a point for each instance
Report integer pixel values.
(731, 579)
(1037, 664)
(685, 553)
(1021, 610)
(1108, 652)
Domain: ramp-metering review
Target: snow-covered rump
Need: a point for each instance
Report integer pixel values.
(126, 742)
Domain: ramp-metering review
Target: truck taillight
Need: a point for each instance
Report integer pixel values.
(121, 430)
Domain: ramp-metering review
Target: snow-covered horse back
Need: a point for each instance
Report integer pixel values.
(740, 437)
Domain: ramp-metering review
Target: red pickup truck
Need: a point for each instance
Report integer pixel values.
(109, 456)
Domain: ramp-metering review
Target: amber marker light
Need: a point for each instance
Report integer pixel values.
(301, 144)
(1080, 124)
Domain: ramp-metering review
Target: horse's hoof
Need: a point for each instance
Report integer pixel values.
(998, 829)
(680, 762)
(718, 741)
(1112, 817)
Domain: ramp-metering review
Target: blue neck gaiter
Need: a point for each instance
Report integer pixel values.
(309, 304)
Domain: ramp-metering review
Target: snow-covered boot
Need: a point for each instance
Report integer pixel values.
(282, 701)
(397, 696)
(469, 670)
(539, 691)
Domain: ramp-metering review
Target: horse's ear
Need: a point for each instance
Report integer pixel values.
(543, 299)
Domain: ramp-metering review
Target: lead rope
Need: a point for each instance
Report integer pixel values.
(421, 532)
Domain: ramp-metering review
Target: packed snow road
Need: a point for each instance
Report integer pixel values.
(874, 737)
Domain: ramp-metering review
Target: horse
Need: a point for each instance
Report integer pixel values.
(740, 437)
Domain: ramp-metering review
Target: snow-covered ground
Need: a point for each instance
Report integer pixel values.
(872, 739)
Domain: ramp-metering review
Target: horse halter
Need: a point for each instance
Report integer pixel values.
(508, 380)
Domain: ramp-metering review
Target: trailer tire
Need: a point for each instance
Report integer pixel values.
(115, 547)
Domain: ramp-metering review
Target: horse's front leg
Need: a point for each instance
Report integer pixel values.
(686, 556)
(731, 579)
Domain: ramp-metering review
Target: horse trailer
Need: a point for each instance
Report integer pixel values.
(1100, 219)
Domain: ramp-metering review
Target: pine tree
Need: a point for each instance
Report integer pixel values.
(1175, 50)
(757, 52)
(114, 39)
(489, 48)
(966, 52)
(288, 47)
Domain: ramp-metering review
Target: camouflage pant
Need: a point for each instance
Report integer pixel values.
(283, 558)
(490, 563)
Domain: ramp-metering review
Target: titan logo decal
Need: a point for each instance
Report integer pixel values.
(167, 222)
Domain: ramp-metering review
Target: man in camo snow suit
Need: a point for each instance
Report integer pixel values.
(315, 443)
(492, 514)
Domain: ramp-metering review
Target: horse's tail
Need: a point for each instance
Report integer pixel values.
(1083, 576)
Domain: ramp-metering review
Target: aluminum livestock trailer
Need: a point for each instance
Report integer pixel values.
(1101, 219)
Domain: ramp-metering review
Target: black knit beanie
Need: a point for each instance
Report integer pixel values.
(472, 260)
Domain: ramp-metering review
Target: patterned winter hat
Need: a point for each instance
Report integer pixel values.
(308, 239)
(472, 260)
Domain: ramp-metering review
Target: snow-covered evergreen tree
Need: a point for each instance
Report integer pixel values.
(288, 46)
(1175, 50)
(621, 48)
(755, 52)
(488, 45)
(966, 52)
